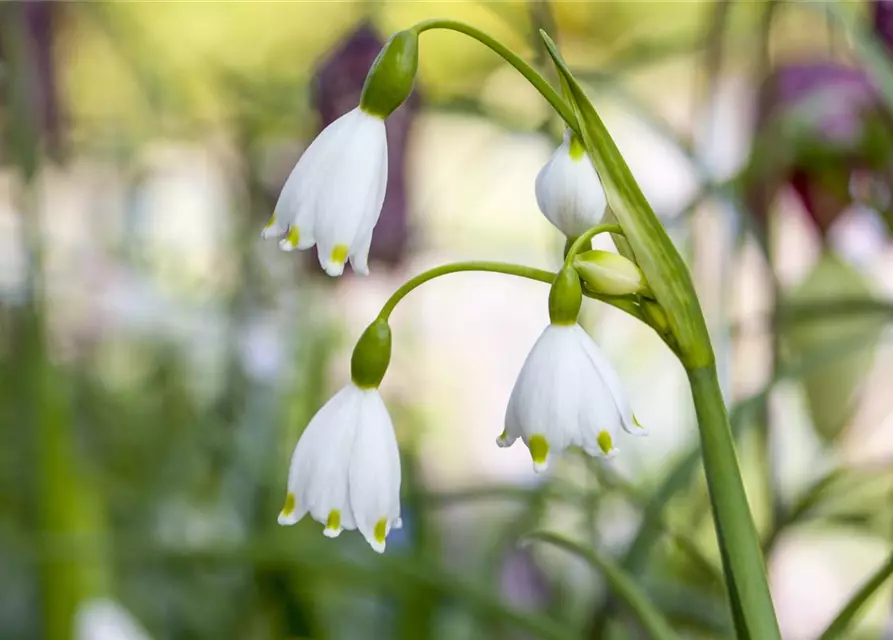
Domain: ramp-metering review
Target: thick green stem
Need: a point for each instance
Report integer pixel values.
(533, 76)
(743, 558)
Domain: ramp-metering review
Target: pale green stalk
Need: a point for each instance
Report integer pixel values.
(520, 271)
(671, 283)
(531, 74)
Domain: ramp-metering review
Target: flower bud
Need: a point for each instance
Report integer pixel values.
(568, 190)
(372, 355)
(565, 297)
(610, 273)
(390, 79)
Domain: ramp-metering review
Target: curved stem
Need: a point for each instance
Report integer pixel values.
(531, 273)
(587, 236)
(533, 76)
(456, 267)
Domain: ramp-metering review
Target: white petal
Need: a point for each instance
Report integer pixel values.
(546, 398)
(359, 258)
(295, 204)
(610, 378)
(105, 619)
(350, 203)
(569, 192)
(318, 475)
(375, 472)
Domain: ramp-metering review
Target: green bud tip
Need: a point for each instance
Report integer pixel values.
(565, 297)
(610, 273)
(390, 79)
(372, 355)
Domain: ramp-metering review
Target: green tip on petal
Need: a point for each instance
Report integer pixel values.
(289, 507)
(333, 523)
(271, 222)
(339, 253)
(539, 450)
(577, 150)
(380, 530)
(293, 236)
(605, 443)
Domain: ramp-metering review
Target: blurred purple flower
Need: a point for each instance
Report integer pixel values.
(523, 583)
(338, 84)
(883, 21)
(822, 130)
(40, 23)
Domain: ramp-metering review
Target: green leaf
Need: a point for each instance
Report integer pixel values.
(831, 391)
(666, 272)
(671, 283)
(849, 612)
(620, 583)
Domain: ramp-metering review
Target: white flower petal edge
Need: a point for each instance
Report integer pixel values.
(568, 190)
(345, 469)
(105, 619)
(334, 195)
(567, 394)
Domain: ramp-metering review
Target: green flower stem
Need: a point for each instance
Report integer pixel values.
(670, 281)
(533, 76)
(583, 241)
(743, 557)
(531, 273)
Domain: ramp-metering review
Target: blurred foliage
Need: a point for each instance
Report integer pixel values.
(143, 461)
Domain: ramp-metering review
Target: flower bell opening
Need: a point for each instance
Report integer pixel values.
(345, 469)
(333, 196)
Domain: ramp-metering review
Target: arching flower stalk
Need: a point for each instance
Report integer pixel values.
(345, 471)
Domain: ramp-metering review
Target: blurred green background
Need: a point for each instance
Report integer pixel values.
(158, 361)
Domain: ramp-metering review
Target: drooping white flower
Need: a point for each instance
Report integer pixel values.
(345, 469)
(567, 394)
(568, 190)
(105, 619)
(334, 195)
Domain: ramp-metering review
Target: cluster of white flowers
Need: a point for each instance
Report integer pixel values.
(345, 470)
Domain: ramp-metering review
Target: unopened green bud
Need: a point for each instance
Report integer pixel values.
(610, 273)
(565, 297)
(390, 79)
(372, 355)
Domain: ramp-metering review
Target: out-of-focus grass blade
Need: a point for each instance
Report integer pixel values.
(621, 584)
(843, 620)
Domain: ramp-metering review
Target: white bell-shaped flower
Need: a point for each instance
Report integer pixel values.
(568, 190)
(334, 195)
(567, 394)
(345, 470)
